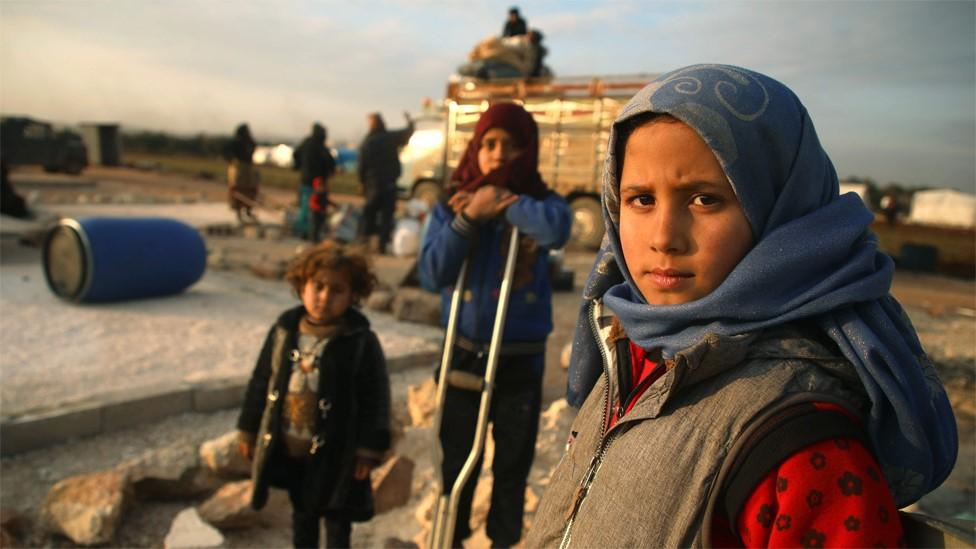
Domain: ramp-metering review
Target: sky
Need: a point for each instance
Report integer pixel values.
(890, 85)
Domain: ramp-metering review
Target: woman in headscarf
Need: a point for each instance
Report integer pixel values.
(496, 186)
(745, 377)
(242, 179)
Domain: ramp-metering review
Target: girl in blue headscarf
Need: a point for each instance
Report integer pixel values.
(743, 375)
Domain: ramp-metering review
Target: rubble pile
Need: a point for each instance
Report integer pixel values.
(88, 509)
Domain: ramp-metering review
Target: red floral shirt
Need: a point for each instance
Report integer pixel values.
(828, 494)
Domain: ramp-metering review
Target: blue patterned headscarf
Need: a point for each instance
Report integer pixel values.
(814, 257)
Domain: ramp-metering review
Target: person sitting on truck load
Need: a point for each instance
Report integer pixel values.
(242, 179)
(515, 24)
(495, 187)
(513, 57)
(742, 384)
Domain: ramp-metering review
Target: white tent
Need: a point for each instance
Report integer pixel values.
(947, 207)
(861, 189)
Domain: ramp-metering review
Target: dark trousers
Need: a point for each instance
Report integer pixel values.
(378, 214)
(514, 416)
(316, 226)
(305, 522)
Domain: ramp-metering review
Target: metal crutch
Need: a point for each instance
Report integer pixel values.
(445, 510)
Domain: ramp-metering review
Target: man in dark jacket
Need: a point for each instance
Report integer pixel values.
(514, 25)
(379, 168)
(314, 160)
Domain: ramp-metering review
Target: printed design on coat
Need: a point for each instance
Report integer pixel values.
(299, 410)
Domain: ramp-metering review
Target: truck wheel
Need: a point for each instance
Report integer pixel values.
(428, 191)
(587, 222)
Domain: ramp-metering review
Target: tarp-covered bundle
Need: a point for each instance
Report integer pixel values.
(946, 207)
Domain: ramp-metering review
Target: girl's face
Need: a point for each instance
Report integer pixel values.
(327, 296)
(497, 147)
(681, 227)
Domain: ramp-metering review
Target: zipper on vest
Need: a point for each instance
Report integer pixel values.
(604, 360)
(584, 485)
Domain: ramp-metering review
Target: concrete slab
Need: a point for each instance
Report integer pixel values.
(137, 407)
(213, 395)
(34, 431)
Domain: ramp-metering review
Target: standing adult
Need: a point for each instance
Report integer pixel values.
(514, 25)
(242, 181)
(379, 169)
(314, 160)
(496, 186)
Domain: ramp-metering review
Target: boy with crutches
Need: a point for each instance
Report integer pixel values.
(498, 207)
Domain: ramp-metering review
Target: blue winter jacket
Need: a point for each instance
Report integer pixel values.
(450, 239)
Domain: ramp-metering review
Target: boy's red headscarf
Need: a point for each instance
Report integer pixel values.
(521, 173)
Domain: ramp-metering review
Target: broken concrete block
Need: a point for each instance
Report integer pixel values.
(188, 530)
(170, 473)
(272, 270)
(379, 300)
(221, 457)
(230, 507)
(417, 305)
(86, 508)
(251, 231)
(565, 355)
(421, 400)
(391, 483)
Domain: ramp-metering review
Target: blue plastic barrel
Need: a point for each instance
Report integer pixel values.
(97, 259)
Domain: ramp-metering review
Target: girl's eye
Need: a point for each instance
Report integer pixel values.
(705, 200)
(642, 200)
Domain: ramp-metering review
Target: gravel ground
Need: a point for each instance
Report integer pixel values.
(225, 335)
(74, 352)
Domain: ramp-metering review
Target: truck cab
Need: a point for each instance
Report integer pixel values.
(574, 115)
(27, 141)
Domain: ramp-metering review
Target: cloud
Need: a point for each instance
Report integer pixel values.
(884, 81)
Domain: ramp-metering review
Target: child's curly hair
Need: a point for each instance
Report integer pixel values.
(330, 255)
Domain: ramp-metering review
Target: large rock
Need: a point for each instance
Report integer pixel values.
(565, 355)
(391, 483)
(86, 508)
(380, 300)
(550, 444)
(272, 270)
(188, 530)
(417, 305)
(421, 401)
(230, 507)
(172, 472)
(221, 457)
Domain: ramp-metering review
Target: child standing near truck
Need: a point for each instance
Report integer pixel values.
(746, 379)
(316, 415)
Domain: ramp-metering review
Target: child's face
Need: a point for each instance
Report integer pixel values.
(497, 147)
(327, 296)
(681, 227)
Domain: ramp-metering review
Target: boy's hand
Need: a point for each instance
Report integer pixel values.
(488, 202)
(364, 466)
(458, 201)
(245, 445)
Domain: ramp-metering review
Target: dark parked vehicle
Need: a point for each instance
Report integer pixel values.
(27, 141)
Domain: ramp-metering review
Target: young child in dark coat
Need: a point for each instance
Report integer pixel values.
(316, 416)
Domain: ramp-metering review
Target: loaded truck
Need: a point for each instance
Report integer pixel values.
(574, 115)
(28, 141)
